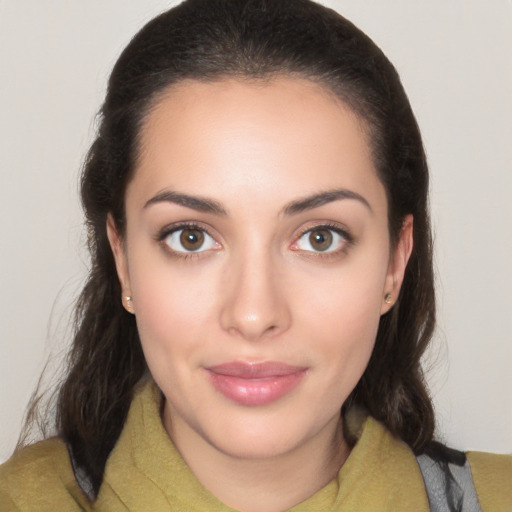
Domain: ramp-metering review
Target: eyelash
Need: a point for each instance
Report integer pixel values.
(169, 230)
(345, 234)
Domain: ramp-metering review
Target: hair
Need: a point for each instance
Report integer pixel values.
(211, 40)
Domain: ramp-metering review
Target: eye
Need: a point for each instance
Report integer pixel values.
(322, 239)
(189, 239)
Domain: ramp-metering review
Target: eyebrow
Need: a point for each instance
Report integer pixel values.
(201, 204)
(206, 205)
(317, 200)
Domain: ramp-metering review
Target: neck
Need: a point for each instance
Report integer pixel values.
(267, 484)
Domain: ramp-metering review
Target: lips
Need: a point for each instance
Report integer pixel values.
(255, 383)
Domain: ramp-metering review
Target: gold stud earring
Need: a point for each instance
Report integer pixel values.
(129, 304)
(387, 298)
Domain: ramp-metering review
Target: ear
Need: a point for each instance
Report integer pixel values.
(116, 244)
(397, 263)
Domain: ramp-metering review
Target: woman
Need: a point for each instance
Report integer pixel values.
(256, 201)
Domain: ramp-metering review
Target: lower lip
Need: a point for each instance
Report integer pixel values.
(256, 391)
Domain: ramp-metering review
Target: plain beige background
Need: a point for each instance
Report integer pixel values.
(454, 57)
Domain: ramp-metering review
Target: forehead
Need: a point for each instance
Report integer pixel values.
(284, 134)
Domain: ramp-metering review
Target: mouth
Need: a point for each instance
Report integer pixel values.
(255, 383)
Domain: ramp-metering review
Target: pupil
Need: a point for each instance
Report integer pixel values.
(191, 239)
(320, 240)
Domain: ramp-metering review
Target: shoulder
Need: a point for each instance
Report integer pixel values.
(40, 477)
(492, 476)
(399, 468)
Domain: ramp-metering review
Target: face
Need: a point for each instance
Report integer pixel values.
(257, 256)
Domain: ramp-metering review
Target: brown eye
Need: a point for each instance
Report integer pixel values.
(191, 239)
(324, 239)
(320, 239)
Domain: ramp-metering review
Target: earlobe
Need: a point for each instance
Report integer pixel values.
(116, 244)
(397, 264)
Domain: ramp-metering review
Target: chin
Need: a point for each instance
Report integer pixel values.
(256, 447)
(263, 437)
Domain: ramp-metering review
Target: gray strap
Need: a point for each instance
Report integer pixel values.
(450, 487)
(81, 476)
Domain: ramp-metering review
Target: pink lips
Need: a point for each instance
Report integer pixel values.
(255, 383)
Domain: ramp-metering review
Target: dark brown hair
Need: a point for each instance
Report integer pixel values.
(210, 40)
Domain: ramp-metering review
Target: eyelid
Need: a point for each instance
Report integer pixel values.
(328, 226)
(168, 230)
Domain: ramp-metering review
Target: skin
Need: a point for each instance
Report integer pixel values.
(258, 290)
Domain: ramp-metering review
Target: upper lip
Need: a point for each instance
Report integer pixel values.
(249, 370)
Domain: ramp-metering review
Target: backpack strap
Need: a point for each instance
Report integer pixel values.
(449, 485)
(82, 477)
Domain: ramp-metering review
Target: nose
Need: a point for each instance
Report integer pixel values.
(254, 305)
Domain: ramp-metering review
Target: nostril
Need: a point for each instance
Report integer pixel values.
(251, 327)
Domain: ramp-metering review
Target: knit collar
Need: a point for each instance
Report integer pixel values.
(146, 472)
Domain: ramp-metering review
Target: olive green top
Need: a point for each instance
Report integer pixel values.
(145, 472)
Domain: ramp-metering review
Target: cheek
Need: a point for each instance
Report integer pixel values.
(351, 340)
(341, 318)
(349, 332)
(347, 300)
(173, 307)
